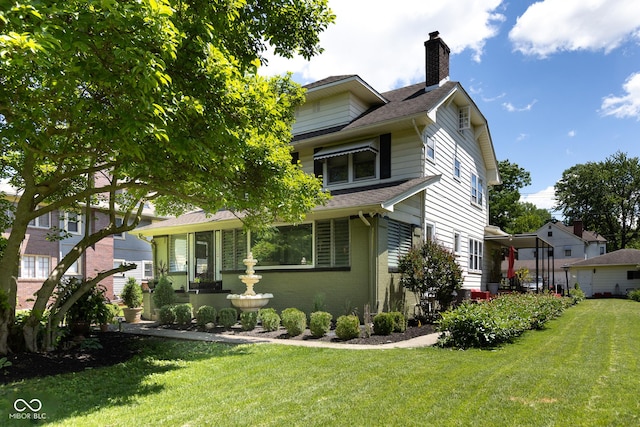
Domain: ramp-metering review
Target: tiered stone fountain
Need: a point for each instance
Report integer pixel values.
(249, 300)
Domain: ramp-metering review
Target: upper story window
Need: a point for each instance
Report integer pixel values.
(348, 163)
(456, 168)
(429, 147)
(477, 190)
(43, 221)
(464, 118)
(72, 223)
(120, 235)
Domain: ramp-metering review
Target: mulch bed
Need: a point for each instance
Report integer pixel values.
(117, 347)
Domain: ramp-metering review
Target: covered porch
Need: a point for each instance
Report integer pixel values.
(541, 269)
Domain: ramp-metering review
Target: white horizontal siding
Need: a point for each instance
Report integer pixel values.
(328, 112)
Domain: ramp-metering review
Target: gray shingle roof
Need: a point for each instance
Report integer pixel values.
(403, 102)
(379, 195)
(619, 257)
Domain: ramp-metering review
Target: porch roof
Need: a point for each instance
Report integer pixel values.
(372, 199)
(520, 241)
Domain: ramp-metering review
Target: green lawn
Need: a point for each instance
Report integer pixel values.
(581, 371)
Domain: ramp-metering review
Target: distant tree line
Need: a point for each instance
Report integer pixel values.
(605, 195)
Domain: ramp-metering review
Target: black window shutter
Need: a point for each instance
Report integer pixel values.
(295, 156)
(317, 164)
(385, 156)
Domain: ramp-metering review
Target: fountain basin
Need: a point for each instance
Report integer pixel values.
(249, 302)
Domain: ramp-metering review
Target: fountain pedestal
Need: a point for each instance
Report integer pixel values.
(249, 300)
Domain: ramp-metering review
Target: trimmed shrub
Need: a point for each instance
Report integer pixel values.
(248, 320)
(184, 314)
(228, 317)
(634, 295)
(167, 315)
(348, 327)
(294, 321)
(382, 324)
(269, 318)
(205, 314)
(399, 321)
(320, 323)
(163, 293)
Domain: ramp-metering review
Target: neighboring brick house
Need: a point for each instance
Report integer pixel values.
(402, 166)
(40, 255)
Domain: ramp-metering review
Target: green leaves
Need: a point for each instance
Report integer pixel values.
(605, 196)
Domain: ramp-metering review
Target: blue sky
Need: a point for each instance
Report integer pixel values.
(557, 80)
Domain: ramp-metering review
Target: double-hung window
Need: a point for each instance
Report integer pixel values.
(477, 190)
(72, 223)
(475, 255)
(34, 267)
(43, 221)
(429, 146)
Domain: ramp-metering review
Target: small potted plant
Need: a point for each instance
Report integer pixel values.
(132, 297)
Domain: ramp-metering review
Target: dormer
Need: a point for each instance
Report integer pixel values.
(335, 102)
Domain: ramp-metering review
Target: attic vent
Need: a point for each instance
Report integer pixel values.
(464, 118)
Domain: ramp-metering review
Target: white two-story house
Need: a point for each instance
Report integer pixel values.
(410, 164)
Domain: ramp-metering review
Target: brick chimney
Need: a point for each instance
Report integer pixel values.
(578, 227)
(437, 61)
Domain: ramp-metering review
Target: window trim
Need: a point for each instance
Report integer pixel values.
(477, 190)
(309, 262)
(464, 117)
(36, 267)
(457, 168)
(36, 221)
(66, 221)
(476, 255)
(348, 151)
(144, 265)
(121, 235)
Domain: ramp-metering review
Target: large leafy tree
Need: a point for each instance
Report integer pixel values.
(504, 199)
(122, 102)
(605, 196)
(529, 219)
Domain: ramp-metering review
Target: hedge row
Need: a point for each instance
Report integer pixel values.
(500, 320)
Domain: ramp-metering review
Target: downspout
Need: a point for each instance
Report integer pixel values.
(373, 288)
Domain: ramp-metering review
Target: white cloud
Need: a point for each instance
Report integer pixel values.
(522, 137)
(571, 133)
(513, 109)
(383, 41)
(543, 199)
(627, 105)
(551, 26)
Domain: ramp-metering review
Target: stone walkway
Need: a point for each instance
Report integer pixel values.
(147, 328)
